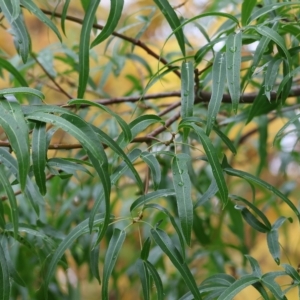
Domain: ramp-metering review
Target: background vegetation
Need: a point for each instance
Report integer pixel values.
(149, 149)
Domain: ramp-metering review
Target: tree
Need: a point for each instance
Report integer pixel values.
(104, 164)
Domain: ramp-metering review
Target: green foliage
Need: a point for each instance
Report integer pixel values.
(131, 184)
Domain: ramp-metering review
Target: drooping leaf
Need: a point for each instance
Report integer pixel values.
(143, 274)
(211, 191)
(39, 155)
(32, 7)
(94, 260)
(151, 196)
(262, 183)
(5, 64)
(157, 280)
(173, 21)
(63, 16)
(80, 229)
(13, 123)
(154, 166)
(84, 47)
(218, 85)
(112, 252)
(4, 277)
(22, 90)
(116, 7)
(271, 75)
(182, 186)
(11, 198)
(146, 249)
(122, 123)
(11, 9)
(233, 66)
(167, 246)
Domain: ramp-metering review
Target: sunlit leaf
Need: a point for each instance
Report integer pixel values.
(112, 252)
(116, 7)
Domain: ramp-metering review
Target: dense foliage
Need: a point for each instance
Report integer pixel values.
(158, 149)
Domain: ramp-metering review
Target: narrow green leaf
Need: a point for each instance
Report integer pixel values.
(260, 182)
(4, 277)
(276, 38)
(187, 89)
(271, 75)
(173, 21)
(213, 160)
(39, 155)
(151, 196)
(116, 7)
(255, 209)
(233, 66)
(173, 222)
(63, 16)
(67, 166)
(32, 7)
(154, 166)
(146, 249)
(273, 286)
(182, 186)
(22, 90)
(237, 286)
(122, 123)
(19, 30)
(254, 265)
(112, 252)
(31, 190)
(268, 8)
(11, 198)
(76, 232)
(157, 280)
(167, 246)
(247, 7)
(291, 272)
(13, 123)
(211, 191)
(263, 123)
(143, 274)
(94, 259)
(218, 85)
(252, 220)
(84, 47)
(5, 64)
(11, 9)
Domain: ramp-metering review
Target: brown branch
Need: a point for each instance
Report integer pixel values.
(51, 78)
(135, 42)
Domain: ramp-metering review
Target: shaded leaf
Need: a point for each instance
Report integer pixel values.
(4, 277)
(22, 90)
(247, 7)
(63, 15)
(143, 274)
(154, 166)
(146, 249)
(157, 280)
(5, 64)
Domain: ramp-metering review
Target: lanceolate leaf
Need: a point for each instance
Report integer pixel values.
(4, 277)
(39, 155)
(11, 198)
(63, 15)
(254, 179)
(157, 280)
(112, 252)
(75, 233)
(31, 6)
(271, 75)
(182, 186)
(213, 160)
(84, 47)
(233, 66)
(167, 246)
(5, 64)
(211, 191)
(22, 90)
(13, 123)
(218, 85)
(154, 166)
(187, 89)
(122, 123)
(11, 9)
(247, 7)
(151, 196)
(173, 21)
(116, 7)
(143, 274)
